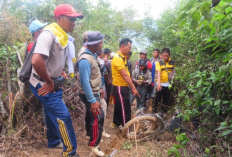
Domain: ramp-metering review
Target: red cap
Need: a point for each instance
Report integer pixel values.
(66, 9)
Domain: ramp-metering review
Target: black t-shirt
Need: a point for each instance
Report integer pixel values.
(129, 65)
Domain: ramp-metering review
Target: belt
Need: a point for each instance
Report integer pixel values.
(40, 79)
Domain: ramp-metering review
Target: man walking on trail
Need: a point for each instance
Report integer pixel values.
(155, 56)
(164, 68)
(89, 84)
(47, 76)
(108, 83)
(121, 84)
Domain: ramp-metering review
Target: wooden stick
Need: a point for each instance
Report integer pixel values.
(19, 57)
(136, 141)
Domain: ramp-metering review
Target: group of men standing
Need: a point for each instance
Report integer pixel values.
(96, 77)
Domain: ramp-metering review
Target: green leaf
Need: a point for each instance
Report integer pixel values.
(226, 132)
(222, 127)
(214, 44)
(231, 84)
(175, 151)
(217, 110)
(223, 123)
(213, 31)
(197, 16)
(228, 79)
(217, 102)
(182, 16)
(216, 52)
(182, 23)
(207, 150)
(14, 79)
(199, 83)
(194, 24)
(226, 60)
(177, 146)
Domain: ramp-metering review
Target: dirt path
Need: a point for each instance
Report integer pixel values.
(157, 146)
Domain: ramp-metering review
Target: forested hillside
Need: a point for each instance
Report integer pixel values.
(200, 38)
(198, 34)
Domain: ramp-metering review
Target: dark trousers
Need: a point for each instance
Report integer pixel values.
(149, 90)
(122, 109)
(141, 101)
(108, 89)
(58, 121)
(165, 93)
(93, 122)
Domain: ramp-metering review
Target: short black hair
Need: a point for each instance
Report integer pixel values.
(129, 53)
(156, 50)
(166, 50)
(124, 41)
(106, 51)
(84, 40)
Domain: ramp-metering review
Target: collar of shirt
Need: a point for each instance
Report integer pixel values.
(86, 50)
(168, 60)
(121, 54)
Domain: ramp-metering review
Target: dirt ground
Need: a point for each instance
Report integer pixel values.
(156, 146)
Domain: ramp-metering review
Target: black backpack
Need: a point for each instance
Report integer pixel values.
(25, 72)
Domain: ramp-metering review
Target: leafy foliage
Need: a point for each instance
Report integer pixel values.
(200, 40)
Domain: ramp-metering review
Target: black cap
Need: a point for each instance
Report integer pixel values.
(142, 62)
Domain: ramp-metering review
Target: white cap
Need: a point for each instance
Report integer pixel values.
(112, 54)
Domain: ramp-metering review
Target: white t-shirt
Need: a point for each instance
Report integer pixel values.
(55, 56)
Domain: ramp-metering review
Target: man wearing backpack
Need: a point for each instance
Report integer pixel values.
(36, 27)
(48, 61)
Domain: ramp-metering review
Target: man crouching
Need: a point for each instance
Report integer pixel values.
(89, 82)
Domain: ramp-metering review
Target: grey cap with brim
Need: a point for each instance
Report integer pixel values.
(143, 51)
(94, 38)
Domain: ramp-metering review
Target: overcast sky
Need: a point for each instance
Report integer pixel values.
(154, 7)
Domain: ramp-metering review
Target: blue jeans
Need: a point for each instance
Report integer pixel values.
(141, 101)
(58, 121)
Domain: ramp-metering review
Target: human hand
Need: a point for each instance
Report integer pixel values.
(95, 107)
(64, 75)
(101, 93)
(109, 81)
(159, 87)
(135, 92)
(46, 88)
(138, 82)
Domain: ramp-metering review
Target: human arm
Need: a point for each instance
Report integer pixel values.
(172, 73)
(158, 69)
(128, 80)
(84, 70)
(149, 78)
(41, 52)
(38, 64)
(134, 76)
